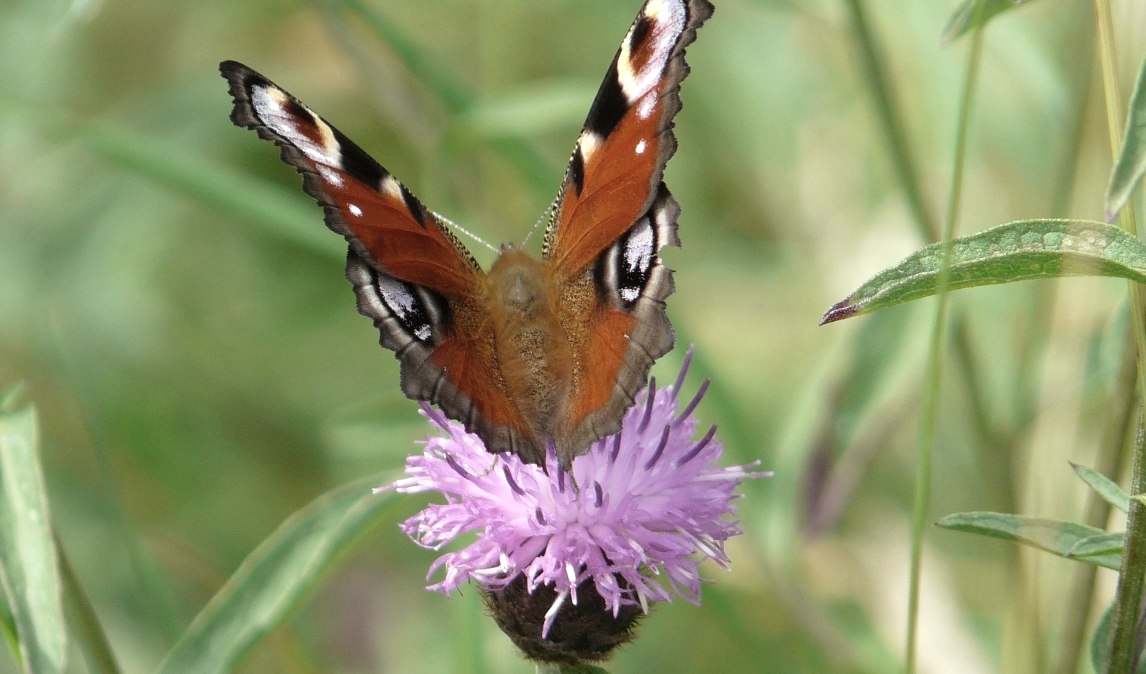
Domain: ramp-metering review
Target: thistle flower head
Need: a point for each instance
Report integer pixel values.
(629, 523)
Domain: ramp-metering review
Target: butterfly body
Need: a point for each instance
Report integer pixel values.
(535, 352)
(533, 349)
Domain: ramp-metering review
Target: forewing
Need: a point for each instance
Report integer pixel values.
(411, 275)
(613, 215)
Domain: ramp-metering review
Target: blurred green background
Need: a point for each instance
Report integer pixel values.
(179, 314)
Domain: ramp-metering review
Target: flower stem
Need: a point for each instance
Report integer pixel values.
(927, 428)
(1128, 598)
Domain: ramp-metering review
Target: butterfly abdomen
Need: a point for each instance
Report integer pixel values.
(533, 352)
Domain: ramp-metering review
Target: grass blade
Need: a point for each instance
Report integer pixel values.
(968, 17)
(28, 566)
(1131, 164)
(272, 580)
(1016, 251)
(282, 213)
(1053, 536)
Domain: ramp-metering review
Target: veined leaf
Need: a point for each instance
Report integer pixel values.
(1106, 488)
(1054, 536)
(272, 580)
(28, 566)
(1131, 164)
(1097, 546)
(1016, 251)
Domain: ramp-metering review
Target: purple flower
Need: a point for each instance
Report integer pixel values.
(635, 515)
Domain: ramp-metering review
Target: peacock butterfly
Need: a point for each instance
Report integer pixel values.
(534, 352)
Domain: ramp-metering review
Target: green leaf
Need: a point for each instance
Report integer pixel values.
(1100, 640)
(1106, 488)
(86, 632)
(1053, 536)
(28, 567)
(1016, 251)
(967, 17)
(1100, 643)
(272, 580)
(1131, 164)
(1098, 546)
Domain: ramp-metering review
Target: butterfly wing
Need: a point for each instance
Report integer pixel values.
(411, 275)
(611, 218)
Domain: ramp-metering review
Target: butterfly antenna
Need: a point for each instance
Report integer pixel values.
(458, 228)
(546, 217)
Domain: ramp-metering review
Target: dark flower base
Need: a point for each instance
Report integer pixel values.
(587, 632)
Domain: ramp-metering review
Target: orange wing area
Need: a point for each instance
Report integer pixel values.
(620, 176)
(627, 138)
(608, 340)
(473, 373)
(416, 251)
(412, 276)
(388, 223)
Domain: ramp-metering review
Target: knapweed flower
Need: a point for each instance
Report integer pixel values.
(625, 527)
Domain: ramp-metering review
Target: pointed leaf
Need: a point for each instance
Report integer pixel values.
(1053, 536)
(1106, 488)
(272, 580)
(1016, 251)
(28, 568)
(967, 17)
(1131, 164)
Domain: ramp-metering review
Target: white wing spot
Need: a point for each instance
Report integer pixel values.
(409, 311)
(639, 249)
(589, 142)
(641, 146)
(668, 22)
(354, 210)
(270, 106)
(329, 175)
(397, 298)
(391, 187)
(645, 110)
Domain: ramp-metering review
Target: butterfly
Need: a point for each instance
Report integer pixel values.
(535, 353)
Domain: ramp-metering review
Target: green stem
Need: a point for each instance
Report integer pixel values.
(907, 175)
(927, 428)
(1128, 597)
(1111, 454)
